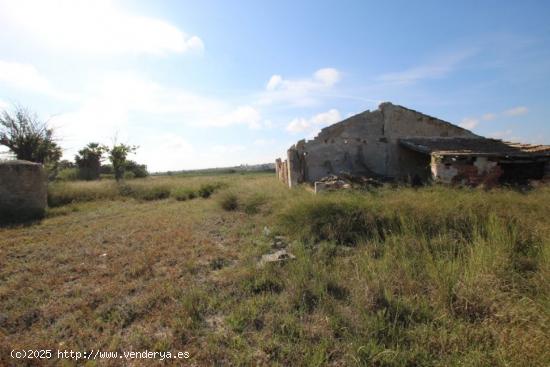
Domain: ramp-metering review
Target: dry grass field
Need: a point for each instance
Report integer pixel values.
(392, 277)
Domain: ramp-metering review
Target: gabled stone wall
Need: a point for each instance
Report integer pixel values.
(367, 144)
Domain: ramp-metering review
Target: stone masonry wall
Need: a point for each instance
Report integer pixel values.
(23, 190)
(367, 144)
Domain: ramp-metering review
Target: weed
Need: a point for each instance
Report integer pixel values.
(229, 201)
(253, 203)
(183, 193)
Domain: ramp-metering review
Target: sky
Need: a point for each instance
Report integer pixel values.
(199, 84)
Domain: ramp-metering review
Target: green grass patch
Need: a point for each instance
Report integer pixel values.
(183, 193)
(396, 276)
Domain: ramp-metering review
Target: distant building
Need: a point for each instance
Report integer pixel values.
(398, 143)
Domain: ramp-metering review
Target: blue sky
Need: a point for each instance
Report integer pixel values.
(218, 83)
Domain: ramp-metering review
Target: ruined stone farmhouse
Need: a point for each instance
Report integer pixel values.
(397, 143)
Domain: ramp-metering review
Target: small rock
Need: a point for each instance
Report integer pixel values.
(103, 254)
(279, 242)
(281, 255)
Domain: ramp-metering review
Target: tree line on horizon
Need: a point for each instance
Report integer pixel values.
(31, 139)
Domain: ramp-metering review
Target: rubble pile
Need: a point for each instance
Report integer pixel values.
(345, 181)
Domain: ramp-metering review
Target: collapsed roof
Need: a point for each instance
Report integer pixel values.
(477, 147)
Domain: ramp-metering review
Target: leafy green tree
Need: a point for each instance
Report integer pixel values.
(117, 155)
(107, 169)
(66, 164)
(139, 170)
(88, 161)
(29, 138)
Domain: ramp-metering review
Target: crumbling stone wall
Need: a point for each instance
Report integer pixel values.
(281, 170)
(471, 171)
(367, 144)
(23, 190)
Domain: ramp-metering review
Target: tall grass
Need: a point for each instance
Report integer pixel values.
(441, 274)
(146, 189)
(434, 276)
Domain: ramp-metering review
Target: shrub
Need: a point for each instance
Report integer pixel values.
(343, 221)
(206, 190)
(346, 218)
(68, 174)
(142, 192)
(139, 170)
(152, 193)
(229, 201)
(183, 193)
(126, 190)
(252, 204)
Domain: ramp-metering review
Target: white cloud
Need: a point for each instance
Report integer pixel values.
(117, 95)
(26, 77)
(472, 122)
(230, 148)
(469, 123)
(241, 115)
(23, 76)
(416, 73)
(439, 68)
(301, 92)
(95, 27)
(127, 102)
(273, 82)
(489, 116)
(315, 122)
(263, 142)
(516, 111)
(166, 152)
(328, 76)
(297, 125)
(327, 118)
(505, 134)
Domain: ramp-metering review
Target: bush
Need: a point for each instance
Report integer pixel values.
(126, 190)
(350, 217)
(107, 169)
(229, 201)
(183, 193)
(139, 170)
(206, 190)
(152, 193)
(141, 192)
(252, 204)
(68, 174)
(342, 220)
